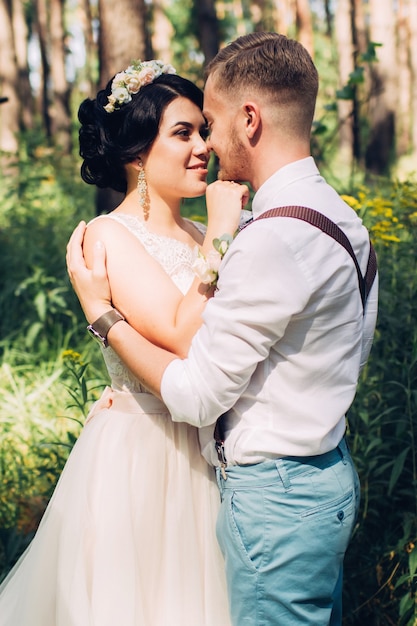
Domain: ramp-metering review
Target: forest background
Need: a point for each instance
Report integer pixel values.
(53, 54)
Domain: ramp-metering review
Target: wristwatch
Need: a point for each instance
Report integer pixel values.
(100, 328)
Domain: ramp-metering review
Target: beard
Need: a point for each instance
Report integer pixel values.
(234, 164)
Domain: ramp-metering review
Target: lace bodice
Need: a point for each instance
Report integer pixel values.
(176, 258)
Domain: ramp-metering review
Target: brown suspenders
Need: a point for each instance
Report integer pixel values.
(322, 222)
(330, 228)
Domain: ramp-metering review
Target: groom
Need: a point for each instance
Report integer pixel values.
(280, 349)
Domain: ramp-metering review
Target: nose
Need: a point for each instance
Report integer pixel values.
(201, 146)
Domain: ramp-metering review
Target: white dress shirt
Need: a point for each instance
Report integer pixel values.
(284, 337)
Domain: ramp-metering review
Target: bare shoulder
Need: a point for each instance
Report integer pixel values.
(105, 229)
(115, 237)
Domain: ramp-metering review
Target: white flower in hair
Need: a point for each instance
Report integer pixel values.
(137, 75)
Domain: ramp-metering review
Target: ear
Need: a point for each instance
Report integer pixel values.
(137, 164)
(252, 115)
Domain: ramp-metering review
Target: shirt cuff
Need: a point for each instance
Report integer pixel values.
(177, 394)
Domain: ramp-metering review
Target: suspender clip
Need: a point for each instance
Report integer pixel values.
(222, 458)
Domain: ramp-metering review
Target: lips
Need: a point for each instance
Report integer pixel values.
(199, 166)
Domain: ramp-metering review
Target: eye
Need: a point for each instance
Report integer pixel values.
(204, 132)
(184, 132)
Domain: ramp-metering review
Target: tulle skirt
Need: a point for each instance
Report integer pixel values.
(128, 538)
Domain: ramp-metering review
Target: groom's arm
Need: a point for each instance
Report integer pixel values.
(146, 361)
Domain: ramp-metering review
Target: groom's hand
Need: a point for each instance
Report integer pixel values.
(91, 285)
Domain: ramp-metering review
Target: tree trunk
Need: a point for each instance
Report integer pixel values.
(21, 38)
(360, 42)
(304, 25)
(45, 75)
(344, 42)
(284, 15)
(60, 108)
(380, 152)
(208, 28)
(413, 63)
(404, 52)
(329, 19)
(122, 36)
(162, 32)
(86, 20)
(9, 109)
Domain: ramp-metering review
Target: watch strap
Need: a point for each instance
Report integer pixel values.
(100, 328)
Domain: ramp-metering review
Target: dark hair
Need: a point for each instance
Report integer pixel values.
(110, 140)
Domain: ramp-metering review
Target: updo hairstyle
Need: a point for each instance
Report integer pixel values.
(110, 140)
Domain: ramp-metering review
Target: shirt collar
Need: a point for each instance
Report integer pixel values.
(287, 175)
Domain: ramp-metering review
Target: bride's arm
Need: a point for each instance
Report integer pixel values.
(224, 200)
(140, 288)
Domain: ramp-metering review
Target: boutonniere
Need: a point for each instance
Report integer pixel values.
(207, 267)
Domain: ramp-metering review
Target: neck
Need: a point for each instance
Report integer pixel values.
(162, 216)
(267, 162)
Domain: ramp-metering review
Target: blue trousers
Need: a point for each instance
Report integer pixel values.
(283, 527)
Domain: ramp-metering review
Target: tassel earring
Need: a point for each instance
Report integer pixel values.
(143, 191)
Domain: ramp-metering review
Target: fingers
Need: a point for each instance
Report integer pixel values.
(226, 191)
(245, 195)
(91, 286)
(75, 255)
(99, 260)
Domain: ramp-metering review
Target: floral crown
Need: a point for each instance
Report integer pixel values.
(137, 75)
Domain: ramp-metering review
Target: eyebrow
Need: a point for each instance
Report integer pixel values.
(187, 124)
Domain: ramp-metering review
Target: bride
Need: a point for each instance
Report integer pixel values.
(128, 537)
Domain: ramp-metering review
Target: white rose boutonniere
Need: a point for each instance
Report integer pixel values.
(207, 267)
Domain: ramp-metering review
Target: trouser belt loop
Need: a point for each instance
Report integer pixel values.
(341, 449)
(282, 472)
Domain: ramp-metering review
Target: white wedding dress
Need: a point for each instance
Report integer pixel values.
(128, 538)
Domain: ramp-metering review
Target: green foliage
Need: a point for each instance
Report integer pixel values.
(382, 561)
(40, 205)
(43, 407)
(42, 199)
(187, 57)
(46, 387)
(357, 76)
(327, 125)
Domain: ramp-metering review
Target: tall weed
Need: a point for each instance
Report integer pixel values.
(40, 206)
(42, 410)
(40, 318)
(382, 561)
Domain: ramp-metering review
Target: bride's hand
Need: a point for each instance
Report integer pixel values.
(91, 286)
(225, 201)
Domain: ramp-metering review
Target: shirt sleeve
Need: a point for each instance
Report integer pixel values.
(262, 283)
(369, 323)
